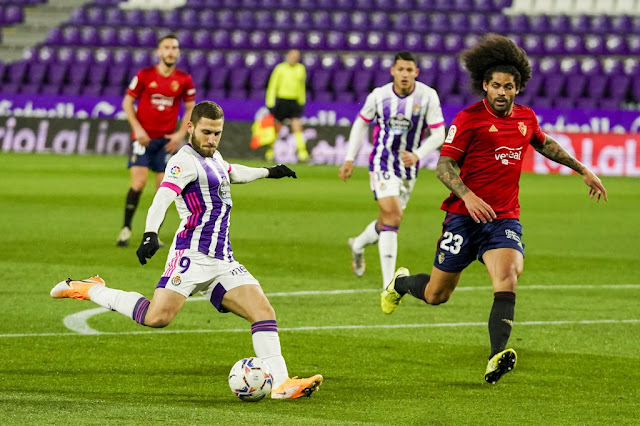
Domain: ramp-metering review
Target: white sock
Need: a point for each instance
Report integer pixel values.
(388, 250)
(368, 236)
(266, 345)
(114, 299)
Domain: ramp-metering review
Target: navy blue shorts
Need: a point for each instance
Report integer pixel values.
(464, 240)
(152, 156)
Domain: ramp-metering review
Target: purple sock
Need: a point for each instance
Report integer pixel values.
(140, 310)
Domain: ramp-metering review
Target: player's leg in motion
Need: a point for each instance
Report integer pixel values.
(301, 143)
(389, 222)
(250, 303)
(505, 266)
(138, 182)
(369, 236)
(159, 312)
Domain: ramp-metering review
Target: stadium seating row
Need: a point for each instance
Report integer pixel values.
(338, 40)
(357, 20)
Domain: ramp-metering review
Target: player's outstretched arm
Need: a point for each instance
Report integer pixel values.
(478, 209)
(555, 152)
(244, 174)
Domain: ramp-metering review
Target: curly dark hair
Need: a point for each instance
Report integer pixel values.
(495, 53)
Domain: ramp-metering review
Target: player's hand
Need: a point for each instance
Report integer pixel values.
(346, 170)
(141, 136)
(596, 189)
(280, 171)
(175, 140)
(408, 158)
(148, 247)
(478, 209)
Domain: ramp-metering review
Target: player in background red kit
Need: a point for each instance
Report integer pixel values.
(487, 141)
(158, 90)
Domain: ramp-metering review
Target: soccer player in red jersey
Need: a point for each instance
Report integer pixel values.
(158, 90)
(487, 141)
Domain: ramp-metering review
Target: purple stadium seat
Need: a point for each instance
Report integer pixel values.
(218, 77)
(371, 62)
(345, 97)
(553, 85)
(226, 19)
(146, 37)
(97, 76)
(633, 44)
(83, 56)
(621, 24)
(13, 14)
(340, 21)
(579, 24)
(541, 102)
(586, 103)
(36, 73)
(170, 18)
(600, 24)
(558, 24)
(381, 78)
(302, 20)
(570, 66)
(256, 94)
(257, 39)
(635, 89)
(376, 42)
(553, 44)
(78, 16)
(239, 39)
(434, 43)
(445, 84)
(323, 96)
(277, 39)
(50, 89)
(574, 44)
(70, 36)
(478, 22)
(498, 23)
(439, 22)
(539, 24)
(215, 59)
(110, 91)
(518, 23)
(127, 37)
(402, 21)
(296, 39)
(549, 65)
(321, 20)
(122, 58)
(311, 61)
(107, 36)
(253, 60)
(619, 86)
(591, 66)
(216, 93)
(45, 55)
(615, 45)
(238, 78)
(114, 16)
(343, 4)
(359, 21)
(15, 72)
(264, 19)
(220, 39)
(609, 103)
(483, 5)
(596, 85)
(453, 43)
(575, 85)
(564, 103)
(201, 39)
(199, 76)
(92, 16)
(356, 40)
(91, 90)
(196, 59)
(362, 82)
(189, 18)
(459, 22)
(152, 18)
(259, 78)
(282, 19)
(30, 88)
(320, 80)
(533, 86)
(335, 40)
(326, 4)
(330, 61)
(245, 20)
(234, 60)
(456, 100)
(78, 74)
(379, 20)
(341, 80)
(316, 40)
(141, 58)
(352, 62)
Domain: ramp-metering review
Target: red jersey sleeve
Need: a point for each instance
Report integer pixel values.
(189, 92)
(538, 134)
(137, 85)
(457, 140)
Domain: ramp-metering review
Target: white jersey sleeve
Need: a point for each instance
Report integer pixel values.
(368, 111)
(434, 111)
(180, 171)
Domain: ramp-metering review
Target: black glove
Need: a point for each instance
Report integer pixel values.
(280, 171)
(148, 247)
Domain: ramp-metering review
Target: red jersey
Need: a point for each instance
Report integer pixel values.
(489, 150)
(159, 99)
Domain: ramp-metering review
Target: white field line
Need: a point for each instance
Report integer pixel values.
(335, 327)
(77, 322)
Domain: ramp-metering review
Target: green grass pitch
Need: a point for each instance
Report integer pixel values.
(577, 329)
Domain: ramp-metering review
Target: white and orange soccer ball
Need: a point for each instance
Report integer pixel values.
(250, 379)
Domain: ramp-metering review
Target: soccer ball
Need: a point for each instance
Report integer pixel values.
(250, 379)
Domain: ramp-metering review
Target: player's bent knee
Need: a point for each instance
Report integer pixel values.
(437, 298)
(158, 321)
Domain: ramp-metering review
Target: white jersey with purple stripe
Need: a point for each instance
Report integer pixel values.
(203, 202)
(400, 124)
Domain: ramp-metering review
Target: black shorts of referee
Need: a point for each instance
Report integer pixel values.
(286, 109)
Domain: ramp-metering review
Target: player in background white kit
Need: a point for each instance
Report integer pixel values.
(200, 259)
(402, 111)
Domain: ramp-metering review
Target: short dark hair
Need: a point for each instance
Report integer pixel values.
(169, 36)
(495, 53)
(404, 56)
(206, 109)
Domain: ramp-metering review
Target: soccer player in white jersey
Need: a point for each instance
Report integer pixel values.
(403, 111)
(201, 260)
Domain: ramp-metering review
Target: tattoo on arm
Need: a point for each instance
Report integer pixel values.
(446, 172)
(554, 151)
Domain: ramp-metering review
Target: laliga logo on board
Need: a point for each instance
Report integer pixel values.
(504, 154)
(175, 171)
